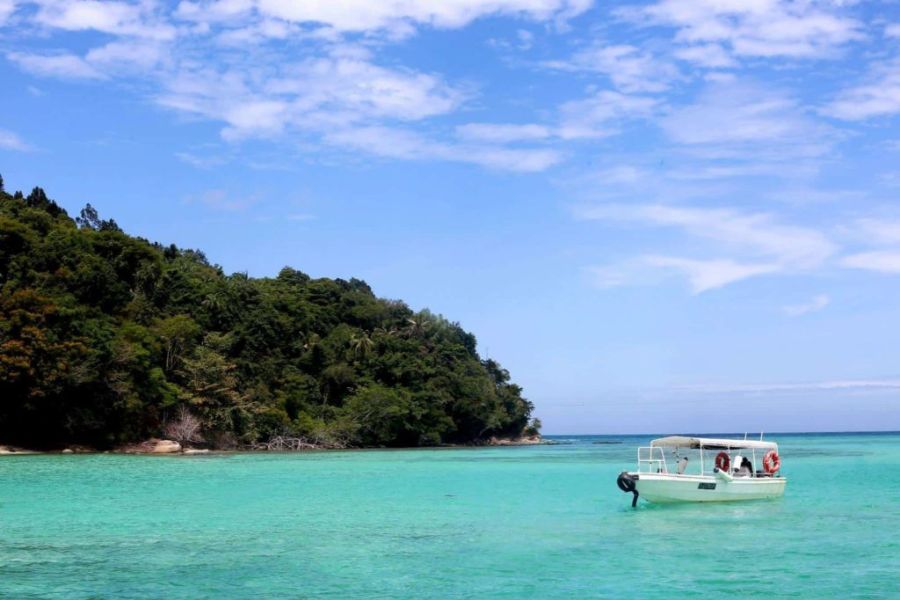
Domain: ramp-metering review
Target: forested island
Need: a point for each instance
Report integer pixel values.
(108, 339)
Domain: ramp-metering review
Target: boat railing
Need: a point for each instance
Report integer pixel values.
(651, 459)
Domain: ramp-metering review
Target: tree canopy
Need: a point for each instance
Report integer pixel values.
(106, 339)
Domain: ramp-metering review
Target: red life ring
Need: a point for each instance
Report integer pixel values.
(771, 462)
(723, 461)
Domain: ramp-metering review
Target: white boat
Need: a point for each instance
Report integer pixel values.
(705, 470)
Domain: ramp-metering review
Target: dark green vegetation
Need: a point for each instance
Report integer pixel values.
(107, 339)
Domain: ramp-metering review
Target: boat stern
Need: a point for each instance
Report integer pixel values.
(628, 483)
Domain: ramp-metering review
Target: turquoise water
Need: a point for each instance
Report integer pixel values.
(527, 522)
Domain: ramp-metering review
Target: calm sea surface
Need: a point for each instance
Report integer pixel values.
(527, 522)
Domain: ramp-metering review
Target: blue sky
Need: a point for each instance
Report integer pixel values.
(660, 216)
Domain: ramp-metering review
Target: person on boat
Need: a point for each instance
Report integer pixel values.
(746, 468)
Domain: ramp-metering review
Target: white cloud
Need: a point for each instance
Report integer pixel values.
(365, 15)
(200, 162)
(748, 121)
(705, 275)
(503, 132)
(255, 118)
(620, 174)
(7, 8)
(398, 143)
(892, 30)
(348, 77)
(221, 200)
(117, 18)
(314, 86)
(64, 66)
(599, 115)
(761, 28)
(314, 95)
(706, 55)
(756, 242)
(815, 304)
(11, 141)
(526, 39)
(603, 113)
(882, 261)
(125, 57)
(839, 384)
(882, 231)
(755, 234)
(629, 68)
(878, 96)
(137, 54)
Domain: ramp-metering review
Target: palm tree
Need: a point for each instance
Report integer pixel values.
(416, 327)
(361, 345)
(214, 302)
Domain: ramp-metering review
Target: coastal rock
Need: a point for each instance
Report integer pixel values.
(14, 450)
(519, 441)
(152, 446)
(166, 447)
(78, 449)
(196, 451)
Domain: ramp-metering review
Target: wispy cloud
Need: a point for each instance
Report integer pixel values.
(882, 261)
(754, 244)
(336, 92)
(7, 8)
(11, 141)
(405, 144)
(747, 121)
(603, 113)
(63, 66)
(629, 68)
(828, 385)
(503, 132)
(112, 17)
(706, 55)
(599, 115)
(710, 274)
(393, 16)
(758, 234)
(815, 304)
(883, 231)
(201, 161)
(768, 29)
(222, 200)
(877, 96)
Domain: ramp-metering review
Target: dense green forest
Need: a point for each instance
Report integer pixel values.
(107, 339)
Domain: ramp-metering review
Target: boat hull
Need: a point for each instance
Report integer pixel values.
(666, 488)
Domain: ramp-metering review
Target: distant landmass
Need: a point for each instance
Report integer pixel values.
(108, 339)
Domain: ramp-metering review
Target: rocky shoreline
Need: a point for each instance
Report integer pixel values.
(531, 440)
(170, 447)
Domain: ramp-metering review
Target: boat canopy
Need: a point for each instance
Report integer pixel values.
(680, 441)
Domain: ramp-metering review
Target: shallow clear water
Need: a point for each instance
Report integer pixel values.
(524, 522)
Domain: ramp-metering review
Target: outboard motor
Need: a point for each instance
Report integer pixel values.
(627, 483)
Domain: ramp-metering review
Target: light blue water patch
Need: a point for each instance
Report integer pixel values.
(522, 522)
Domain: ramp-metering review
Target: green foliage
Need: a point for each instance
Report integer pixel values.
(105, 338)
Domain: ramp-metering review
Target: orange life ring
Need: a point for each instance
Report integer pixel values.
(771, 462)
(723, 461)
